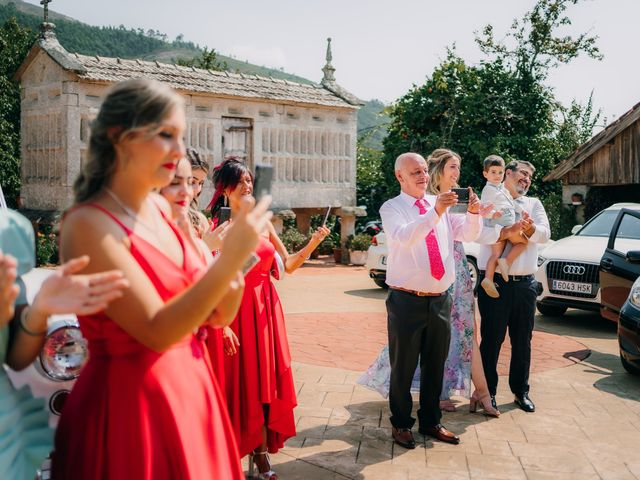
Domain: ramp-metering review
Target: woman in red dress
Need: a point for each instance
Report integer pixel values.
(180, 194)
(146, 405)
(259, 383)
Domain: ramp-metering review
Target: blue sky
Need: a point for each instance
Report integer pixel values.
(381, 47)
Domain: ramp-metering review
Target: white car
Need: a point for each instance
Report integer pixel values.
(377, 260)
(568, 271)
(65, 352)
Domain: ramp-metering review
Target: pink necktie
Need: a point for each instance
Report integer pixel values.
(433, 250)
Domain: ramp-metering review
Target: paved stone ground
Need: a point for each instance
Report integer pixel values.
(587, 423)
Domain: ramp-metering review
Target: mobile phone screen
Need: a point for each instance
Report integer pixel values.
(224, 214)
(463, 194)
(326, 216)
(463, 200)
(262, 181)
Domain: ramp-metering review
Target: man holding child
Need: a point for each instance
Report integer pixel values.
(515, 307)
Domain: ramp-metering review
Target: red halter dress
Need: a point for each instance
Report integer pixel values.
(137, 413)
(259, 376)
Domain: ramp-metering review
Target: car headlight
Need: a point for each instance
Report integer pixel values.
(541, 260)
(634, 295)
(64, 354)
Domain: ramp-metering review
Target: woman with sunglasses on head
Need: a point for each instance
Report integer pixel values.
(147, 404)
(260, 389)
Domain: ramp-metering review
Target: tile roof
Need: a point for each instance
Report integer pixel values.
(103, 69)
(190, 79)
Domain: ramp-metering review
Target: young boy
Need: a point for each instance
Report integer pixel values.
(508, 213)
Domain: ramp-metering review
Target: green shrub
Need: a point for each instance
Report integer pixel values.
(359, 242)
(293, 239)
(330, 242)
(561, 218)
(46, 247)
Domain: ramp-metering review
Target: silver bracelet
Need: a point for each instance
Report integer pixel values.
(21, 323)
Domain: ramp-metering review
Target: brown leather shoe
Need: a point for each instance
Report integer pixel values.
(403, 437)
(441, 433)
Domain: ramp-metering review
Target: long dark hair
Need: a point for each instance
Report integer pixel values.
(226, 175)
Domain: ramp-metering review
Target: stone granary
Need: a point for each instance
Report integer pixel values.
(306, 132)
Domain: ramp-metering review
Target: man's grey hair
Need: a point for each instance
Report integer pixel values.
(401, 158)
(513, 165)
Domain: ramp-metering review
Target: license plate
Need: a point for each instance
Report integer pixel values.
(578, 287)
(383, 260)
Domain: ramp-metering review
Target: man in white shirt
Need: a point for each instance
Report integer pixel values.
(420, 269)
(516, 307)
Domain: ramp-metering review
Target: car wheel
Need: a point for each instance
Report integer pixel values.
(381, 283)
(473, 271)
(551, 310)
(628, 366)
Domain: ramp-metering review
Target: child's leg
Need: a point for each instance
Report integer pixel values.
(487, 282)
(515, 252)
(496, 251)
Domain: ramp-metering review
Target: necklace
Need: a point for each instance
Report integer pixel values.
(133, 215)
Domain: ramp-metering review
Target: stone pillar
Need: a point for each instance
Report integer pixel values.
(303, 222)
(347, 227)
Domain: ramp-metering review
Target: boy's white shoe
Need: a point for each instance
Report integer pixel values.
(504, 268)
(490, 288)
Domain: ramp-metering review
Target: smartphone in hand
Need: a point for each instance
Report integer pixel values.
(326, 216)
(463, 200)
(263, 178)
(223, 215)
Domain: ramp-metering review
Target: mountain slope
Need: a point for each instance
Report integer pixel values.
(124, 42)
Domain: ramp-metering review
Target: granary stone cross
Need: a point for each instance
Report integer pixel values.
(46, 3)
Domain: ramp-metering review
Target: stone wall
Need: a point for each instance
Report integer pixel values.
(312, 148)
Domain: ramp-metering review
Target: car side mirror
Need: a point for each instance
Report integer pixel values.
(633, 256)
(575, 229)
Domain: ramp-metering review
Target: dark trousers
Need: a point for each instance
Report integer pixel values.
(514, 310)
(417, 327)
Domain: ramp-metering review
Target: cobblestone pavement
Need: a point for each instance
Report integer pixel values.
(587, 423)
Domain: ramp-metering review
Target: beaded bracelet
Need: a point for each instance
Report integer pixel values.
(23, 317)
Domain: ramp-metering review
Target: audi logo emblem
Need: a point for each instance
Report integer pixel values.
(573, 269)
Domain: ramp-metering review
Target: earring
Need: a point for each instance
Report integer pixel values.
(225, 200)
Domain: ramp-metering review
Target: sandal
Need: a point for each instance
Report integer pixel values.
(268, 475)
(485, 404)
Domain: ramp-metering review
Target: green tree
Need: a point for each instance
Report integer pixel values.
(370, 189)
(501, 105)
(14, 45)
(207, 60)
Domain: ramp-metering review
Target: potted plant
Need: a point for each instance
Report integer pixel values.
(358, 245)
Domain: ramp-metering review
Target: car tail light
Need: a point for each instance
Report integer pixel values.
(374, 241)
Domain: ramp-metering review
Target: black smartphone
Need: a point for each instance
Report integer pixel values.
(224, 214)
(262, 181)
(463, 194)
(463, 200)
(326, 216)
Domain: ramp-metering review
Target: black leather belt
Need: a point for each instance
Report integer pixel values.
(512, 278)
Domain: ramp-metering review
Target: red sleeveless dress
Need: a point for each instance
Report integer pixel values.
(136, 413)
(259, 376)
